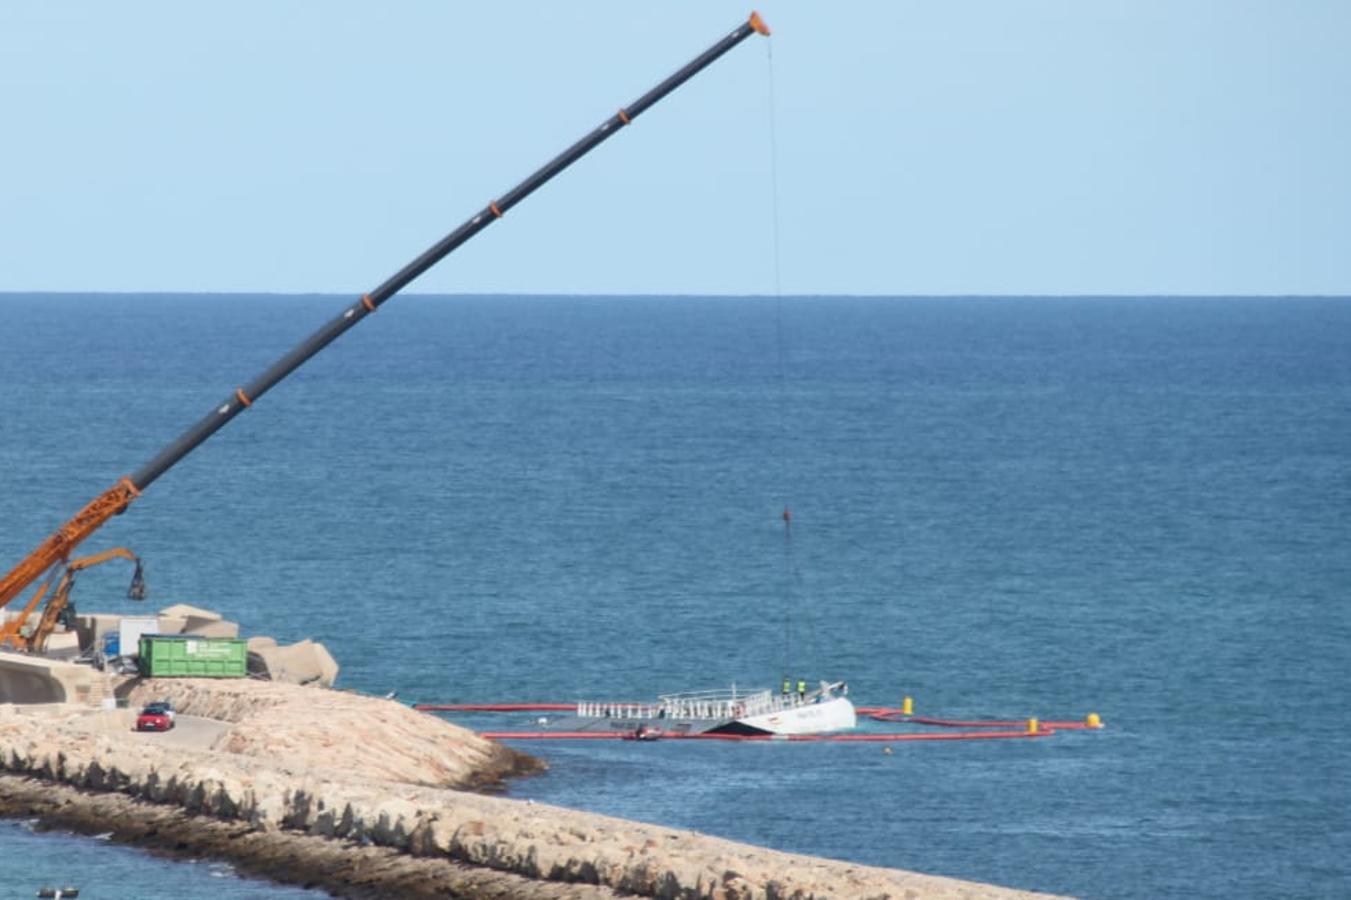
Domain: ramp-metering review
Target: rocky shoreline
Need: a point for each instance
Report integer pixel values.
(359, 796)
(345, 869)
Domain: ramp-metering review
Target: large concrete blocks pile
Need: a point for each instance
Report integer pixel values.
(304, 662)
(184, 619)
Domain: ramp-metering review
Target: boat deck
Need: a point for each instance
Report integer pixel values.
(699, 712)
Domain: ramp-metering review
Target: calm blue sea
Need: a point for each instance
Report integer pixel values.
(1002, 507)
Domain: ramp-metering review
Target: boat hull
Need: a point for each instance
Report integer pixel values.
(833, 714)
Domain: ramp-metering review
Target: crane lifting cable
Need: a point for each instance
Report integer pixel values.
(795, 582)
(58, 546)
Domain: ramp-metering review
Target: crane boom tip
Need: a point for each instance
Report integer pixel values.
(758, 23)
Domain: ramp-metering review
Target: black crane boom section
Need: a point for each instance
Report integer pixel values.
(245, 396)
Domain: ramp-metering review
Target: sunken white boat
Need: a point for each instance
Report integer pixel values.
(757, 712)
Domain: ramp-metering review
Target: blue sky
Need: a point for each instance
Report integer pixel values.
(995, 147)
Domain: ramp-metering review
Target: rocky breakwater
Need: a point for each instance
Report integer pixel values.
(314, 729)
(315, 781)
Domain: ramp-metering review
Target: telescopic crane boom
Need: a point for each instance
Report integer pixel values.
(58, 547)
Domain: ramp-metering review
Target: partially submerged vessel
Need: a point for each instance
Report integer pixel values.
(823, 709)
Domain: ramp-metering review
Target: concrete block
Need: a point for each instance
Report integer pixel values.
(191, 612)
(172, 624)
(302, 663)
(92, 627)
(216, 629)
(62, 645)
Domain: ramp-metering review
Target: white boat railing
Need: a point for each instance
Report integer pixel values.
(718, 705)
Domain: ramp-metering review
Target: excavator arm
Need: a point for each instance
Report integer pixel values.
(60, 600)
(57, 548)
(16, 633)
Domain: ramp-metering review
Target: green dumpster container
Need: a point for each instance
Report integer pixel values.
(185, 656)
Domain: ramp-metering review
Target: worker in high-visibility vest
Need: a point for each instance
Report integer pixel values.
(787, 687)
(801, 689)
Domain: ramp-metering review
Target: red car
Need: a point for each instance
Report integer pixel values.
(154, 720)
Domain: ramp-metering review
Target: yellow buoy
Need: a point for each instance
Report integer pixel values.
(1032, 726)
(908, 706)
(1093, 721)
